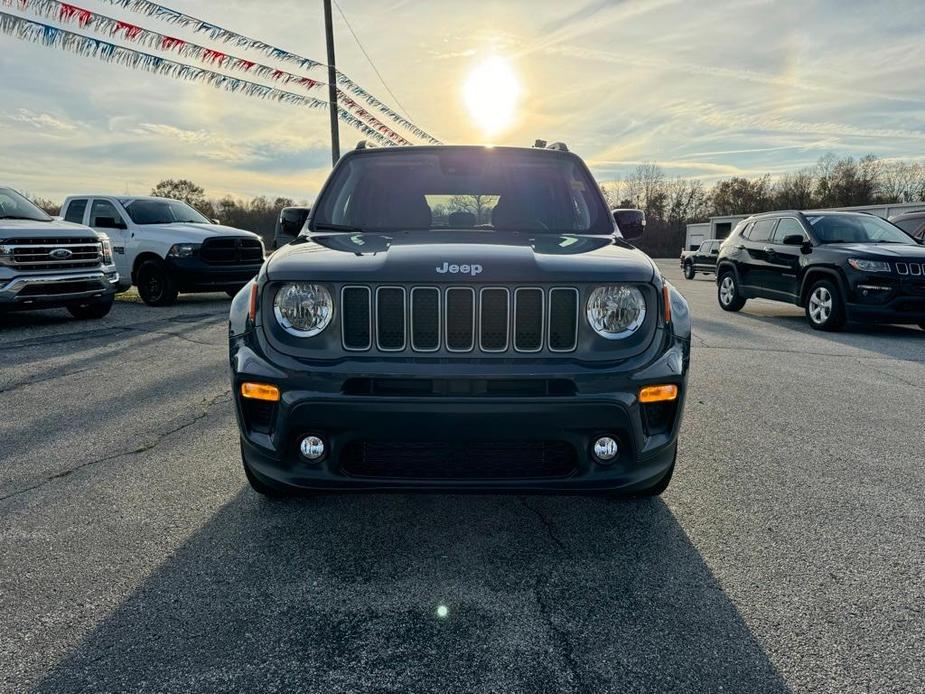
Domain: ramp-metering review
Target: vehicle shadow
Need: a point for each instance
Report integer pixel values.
(902, 342)
(341, 593)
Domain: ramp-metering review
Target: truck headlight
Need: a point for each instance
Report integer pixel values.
(616, 311)
(869, 265)
(184, 250)
(106, 250)
(303, 309)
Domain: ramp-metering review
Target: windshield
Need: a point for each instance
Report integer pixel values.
(856, 228)
(477, 188)
(162, 212)
(15, 206)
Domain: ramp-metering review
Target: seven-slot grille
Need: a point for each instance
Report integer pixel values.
(459, 319)
(914, 269)
(233, 250)
(41, 254)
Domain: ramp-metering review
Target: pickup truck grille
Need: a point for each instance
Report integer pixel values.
(231, 250)
(491, 320)
(40, 254)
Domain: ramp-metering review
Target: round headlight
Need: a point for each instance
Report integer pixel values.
(616, 311)
(302, 309)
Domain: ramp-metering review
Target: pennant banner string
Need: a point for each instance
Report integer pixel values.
(53, 37)
(218, 33)
(66, 12)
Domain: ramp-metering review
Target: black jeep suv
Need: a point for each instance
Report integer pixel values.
(840, 266)
(460, 317)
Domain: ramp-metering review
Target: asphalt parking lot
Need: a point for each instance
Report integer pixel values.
(787, 555)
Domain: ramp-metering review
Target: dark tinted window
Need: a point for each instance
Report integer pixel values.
(15, 206)
(162, 212)
(489, 188)
(75, 211)
(103, 208)
(761, 231)
(909, 225)
(747, 230)
(788, 226)
(856, 228)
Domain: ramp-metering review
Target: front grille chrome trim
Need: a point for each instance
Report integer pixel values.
(541, 341)
(549, 319)
(343, 319)
(507, 332)
(414, 347)
(404, 306)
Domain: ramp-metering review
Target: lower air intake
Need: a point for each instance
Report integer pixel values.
(464, 460)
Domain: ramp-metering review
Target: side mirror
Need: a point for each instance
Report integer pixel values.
(291, 222)
(715, 251)
(215, 221)
(794, 240)
(108, 223)
(631, 223)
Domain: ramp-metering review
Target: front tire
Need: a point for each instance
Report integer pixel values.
(727, 293)
(91, 310)
(156, 287)
(825, 309)
(689, 271)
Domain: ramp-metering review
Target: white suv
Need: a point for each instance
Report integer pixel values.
(165, 247)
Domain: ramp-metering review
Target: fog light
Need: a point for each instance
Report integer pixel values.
(606, 449)
(312, 448)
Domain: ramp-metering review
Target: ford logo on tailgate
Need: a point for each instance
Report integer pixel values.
(61, 253)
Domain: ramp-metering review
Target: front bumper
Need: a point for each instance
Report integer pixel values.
(876, 299)
(194, 275)
(458, 416)
(56, 289)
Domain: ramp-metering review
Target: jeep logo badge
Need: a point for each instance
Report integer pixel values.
(61, 253)
(472, 270)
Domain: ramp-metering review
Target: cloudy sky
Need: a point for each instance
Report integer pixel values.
(704, 88)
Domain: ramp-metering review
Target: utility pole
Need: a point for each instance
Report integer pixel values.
(332, 82)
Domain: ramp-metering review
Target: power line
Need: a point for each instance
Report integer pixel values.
(370, 60)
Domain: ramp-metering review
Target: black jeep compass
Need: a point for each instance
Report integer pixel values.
(839, 266)
(460, 317)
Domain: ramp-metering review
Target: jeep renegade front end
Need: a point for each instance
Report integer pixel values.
(460, 317)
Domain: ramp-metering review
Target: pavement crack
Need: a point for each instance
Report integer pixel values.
(209, 403)
(167, 333)
(902, 380)
(16, 385)
(560, 637)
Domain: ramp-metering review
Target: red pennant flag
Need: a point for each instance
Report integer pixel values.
(131, 31)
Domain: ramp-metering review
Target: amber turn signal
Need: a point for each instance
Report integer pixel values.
(260, 391)
(658, 393)
(252, 308)
(666, 298)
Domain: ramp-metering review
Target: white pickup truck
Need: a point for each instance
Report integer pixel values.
(165, 247)
(47, 263)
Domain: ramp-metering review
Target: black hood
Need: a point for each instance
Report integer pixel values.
(459, 256)
(884, 251)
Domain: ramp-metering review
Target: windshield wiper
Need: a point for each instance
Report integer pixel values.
(324, 226)
(16, 216)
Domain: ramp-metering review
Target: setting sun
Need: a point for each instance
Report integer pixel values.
(491, 92)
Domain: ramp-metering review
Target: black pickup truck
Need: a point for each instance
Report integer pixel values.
(702, 260)
(465, 318)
